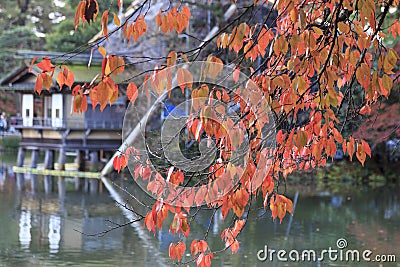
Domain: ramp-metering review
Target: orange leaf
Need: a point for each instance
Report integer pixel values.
(360, 154)
(38, 84)
(104, 94)
(104, 22)
(60, 79)
(132, 92)
(32, 62)
(102, 51)
(366, 148)
(350, 147)
(45, 65)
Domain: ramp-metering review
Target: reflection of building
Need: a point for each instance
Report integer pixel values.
(25, 229)
(47, 121)
(54, 233)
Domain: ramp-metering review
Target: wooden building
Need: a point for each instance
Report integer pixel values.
(47, 121)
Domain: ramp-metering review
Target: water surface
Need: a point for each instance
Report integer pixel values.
(38, 229)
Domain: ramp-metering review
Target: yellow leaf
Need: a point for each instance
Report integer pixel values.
(301, 139)
(102, 51)
(390, 61)
(317, 30)
(301, 85)
(117, 22)
(387, 83)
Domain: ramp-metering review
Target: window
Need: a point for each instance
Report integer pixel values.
(27, 112)
(57, 113)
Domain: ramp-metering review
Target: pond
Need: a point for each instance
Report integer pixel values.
(38, 229)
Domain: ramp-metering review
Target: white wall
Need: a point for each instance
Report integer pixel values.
(57, 110)
(27, 109)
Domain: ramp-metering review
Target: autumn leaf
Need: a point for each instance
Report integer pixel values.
(360, 153)
(301, 139)
(87, 10)
(38, 84)
(104, 22)
(116, 20)
(184, 78)
(176, 251)
(45, 65)
(132, 92)
(171, 58)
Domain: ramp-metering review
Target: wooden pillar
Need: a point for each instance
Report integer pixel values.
(21, 157)
(20, 181)
(80, 160)
(49, 159)
(61, 159)
(94, 160)
(34, 158)
(48, 184)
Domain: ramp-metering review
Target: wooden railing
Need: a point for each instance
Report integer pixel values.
(49, 123)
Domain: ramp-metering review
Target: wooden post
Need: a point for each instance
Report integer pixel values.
(34, 158)
(61, 159)
(49, 159)
(80, 160)
(21, 157)
(94, 160)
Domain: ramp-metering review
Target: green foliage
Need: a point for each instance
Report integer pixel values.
(10, 141)
(103, 5)
(11, 40)
(64, 38)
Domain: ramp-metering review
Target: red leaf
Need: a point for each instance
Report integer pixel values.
(116, 164)
(366, 147)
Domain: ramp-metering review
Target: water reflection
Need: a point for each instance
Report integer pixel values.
(39, 228)
(25, 229)
(54, 233)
